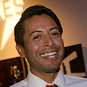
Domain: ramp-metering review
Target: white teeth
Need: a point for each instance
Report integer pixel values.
(49, 54)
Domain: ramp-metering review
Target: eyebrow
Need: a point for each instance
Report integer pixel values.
(41, 31)
(54, 28)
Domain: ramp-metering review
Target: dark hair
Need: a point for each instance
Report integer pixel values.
(19, 30)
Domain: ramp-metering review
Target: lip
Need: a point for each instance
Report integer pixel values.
(49, 51)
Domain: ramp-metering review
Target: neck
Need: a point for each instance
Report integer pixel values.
(47, 77)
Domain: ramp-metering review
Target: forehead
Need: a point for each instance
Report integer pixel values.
(39, 22)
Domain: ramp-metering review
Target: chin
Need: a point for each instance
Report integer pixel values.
(53, 70)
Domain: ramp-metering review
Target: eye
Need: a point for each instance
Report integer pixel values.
(37, 37)
(55, 33)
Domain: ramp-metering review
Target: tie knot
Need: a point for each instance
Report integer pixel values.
(52, 85)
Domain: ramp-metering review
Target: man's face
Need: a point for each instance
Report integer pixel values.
(43, 44)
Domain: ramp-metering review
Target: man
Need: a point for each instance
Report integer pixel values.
(38, 36)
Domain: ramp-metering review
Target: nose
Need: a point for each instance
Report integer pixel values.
(48, 41)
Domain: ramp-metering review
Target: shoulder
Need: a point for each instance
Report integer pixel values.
(73, 81)
(22, 83)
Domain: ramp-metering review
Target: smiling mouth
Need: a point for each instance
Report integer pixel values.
(49, 55)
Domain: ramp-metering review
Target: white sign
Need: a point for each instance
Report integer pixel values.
(10, 10)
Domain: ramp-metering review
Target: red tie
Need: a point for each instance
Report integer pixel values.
(52, 85)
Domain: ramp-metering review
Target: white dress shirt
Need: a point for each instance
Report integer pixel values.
(61, 80)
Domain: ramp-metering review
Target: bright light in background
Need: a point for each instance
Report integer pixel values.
(10, 10)
(2, 15)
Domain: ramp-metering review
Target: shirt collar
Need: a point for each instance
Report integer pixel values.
(60, 79)
(34, 81)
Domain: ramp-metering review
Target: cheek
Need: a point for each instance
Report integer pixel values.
(59, 42)
(36, 45)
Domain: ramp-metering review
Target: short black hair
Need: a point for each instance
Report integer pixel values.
(19, 30)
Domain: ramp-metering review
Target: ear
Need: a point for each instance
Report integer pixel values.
(20, 50)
